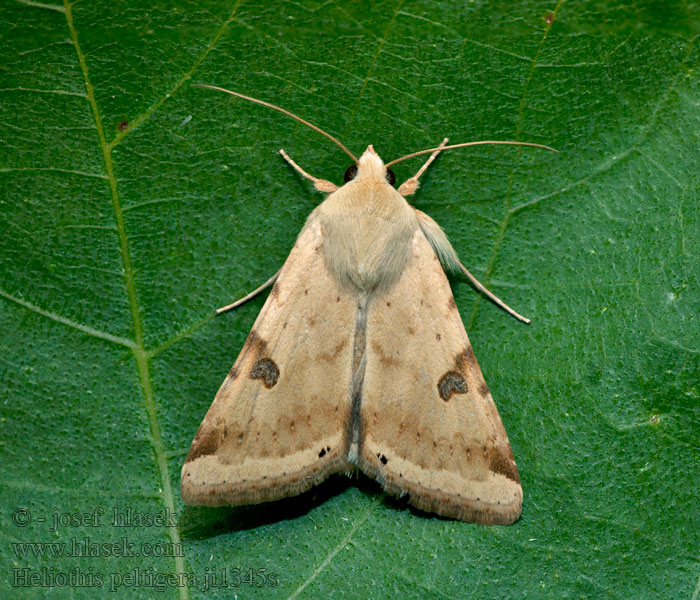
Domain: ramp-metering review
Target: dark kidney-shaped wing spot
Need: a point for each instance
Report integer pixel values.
(451, 383)
(383, 459)
(265, 369)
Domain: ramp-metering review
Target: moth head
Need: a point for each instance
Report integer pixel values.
(369, 167)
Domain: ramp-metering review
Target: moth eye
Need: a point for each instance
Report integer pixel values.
(390, 177)
(350, 173)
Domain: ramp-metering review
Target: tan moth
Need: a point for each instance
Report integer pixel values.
(359, 360)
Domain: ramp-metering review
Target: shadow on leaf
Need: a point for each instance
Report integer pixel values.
(201, 522)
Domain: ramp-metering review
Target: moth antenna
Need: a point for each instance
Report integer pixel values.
(495, 299)
(321, 185)
(285, 112)
(250, 296)
(393, 162)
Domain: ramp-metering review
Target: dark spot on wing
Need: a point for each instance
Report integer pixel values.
(483, 389)
(254, 344)
(450, 383)
(266, 370)
(331, 356)
(501, 461)
(264, 367)
(206, 441)
(466, 361)
(386, 361)
(233, 373)
(438, 337)
(471, 359)
(383, 459)
(451, 304)
(274, 292)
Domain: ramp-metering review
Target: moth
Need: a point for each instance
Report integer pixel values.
(359, 360)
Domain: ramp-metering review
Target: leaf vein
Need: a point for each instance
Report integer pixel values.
(344, 542)
(508, 213)
(184, 79)
(138, 349)
(617, 158)
(382, 41)
(68, 322)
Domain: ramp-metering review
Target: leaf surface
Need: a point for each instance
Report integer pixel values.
(134, 203)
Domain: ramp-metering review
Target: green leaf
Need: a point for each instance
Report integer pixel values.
(134, 203)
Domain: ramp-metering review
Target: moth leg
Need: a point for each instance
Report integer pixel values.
(410, 186)
(320, 184)
(252, 294)
(495, 299)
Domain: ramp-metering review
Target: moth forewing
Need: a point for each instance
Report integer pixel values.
(429, 427)
(278, 424)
